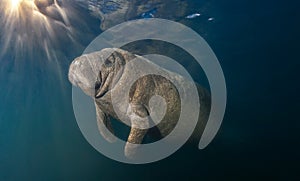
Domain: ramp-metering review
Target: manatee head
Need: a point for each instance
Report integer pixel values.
(95, 73)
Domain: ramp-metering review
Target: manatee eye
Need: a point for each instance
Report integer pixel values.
(107, 63)
(110, 60)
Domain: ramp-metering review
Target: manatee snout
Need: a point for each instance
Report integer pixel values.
(91, 71)
(83, 74)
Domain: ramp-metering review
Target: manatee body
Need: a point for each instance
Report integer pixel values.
(105, 75)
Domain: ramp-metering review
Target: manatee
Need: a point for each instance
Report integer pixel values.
(105, 78)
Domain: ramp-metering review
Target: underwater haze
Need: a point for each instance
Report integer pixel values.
(257, 45)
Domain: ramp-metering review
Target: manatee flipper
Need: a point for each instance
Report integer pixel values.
(138, 117)
(104, 125)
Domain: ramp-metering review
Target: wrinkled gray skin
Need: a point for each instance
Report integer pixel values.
(101, 78)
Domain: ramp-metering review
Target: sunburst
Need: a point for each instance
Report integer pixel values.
(15, 3)
(25, 27)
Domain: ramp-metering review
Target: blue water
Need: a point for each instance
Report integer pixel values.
(256, 43)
